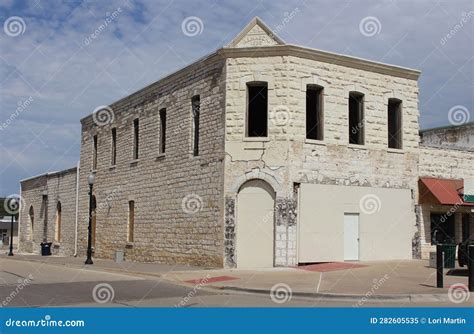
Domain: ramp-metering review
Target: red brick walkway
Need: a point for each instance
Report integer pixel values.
(330, 266)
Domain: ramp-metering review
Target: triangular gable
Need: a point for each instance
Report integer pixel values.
(255, 34)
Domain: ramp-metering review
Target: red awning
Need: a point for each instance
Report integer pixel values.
(444, 191)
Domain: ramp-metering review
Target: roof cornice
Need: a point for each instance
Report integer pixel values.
(448, 127)
(50, 174)
(209, 58)
(322, 56)
(284, 50)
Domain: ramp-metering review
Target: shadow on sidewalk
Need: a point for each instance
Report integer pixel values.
(458, 272)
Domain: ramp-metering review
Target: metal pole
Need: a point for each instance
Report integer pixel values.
(439, 266)
(89, 235)
(11, 236)
(470, 267)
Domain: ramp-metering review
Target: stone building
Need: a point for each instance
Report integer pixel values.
(446, 163)
(49, 212)
(260, 154)
(456, 137)
(8, 212)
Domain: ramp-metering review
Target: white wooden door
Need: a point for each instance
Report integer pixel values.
(351, 237)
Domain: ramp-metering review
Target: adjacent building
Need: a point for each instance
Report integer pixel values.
(49, 212)
(446, 187)
(8, 219)
(260, 154)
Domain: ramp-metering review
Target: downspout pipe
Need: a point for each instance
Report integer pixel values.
(77, 209)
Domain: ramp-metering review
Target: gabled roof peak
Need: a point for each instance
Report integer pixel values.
(255, 34)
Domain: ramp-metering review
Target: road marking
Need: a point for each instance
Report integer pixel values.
(319, 283)
(8, 272)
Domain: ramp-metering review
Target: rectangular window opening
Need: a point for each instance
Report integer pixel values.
(131, 221)
(196, 106)
(135, 139)
(94, 153)
(394, 123)
(114, 147)
(162, 143)
(257, 111)
(314, 112)
(356, 118)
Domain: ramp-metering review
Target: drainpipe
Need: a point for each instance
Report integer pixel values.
(77, 209)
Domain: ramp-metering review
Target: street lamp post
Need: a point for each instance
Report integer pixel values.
(11, 234)
(90, 180)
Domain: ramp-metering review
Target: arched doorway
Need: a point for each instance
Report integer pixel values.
(57, 223)
(255, 225)
(31, 221)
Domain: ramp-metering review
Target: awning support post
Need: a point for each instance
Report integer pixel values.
(470, 267)
(439, 266)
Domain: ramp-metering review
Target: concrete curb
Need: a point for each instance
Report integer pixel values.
(346, 297)
(395, 298)
(95, 267)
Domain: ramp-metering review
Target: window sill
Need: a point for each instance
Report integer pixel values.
(134, 162)
(396, 150)
(315, 142)
(161, 156)
(129, 245)
(112, 167)
(357, 147)
(256, 139)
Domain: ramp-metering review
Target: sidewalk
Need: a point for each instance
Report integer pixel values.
(155, 269)
(381, 280)
(384, 280)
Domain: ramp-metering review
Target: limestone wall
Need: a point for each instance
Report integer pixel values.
(288, 158)
(178, 197)
(43, 193)
(446, 163)
(460, 137)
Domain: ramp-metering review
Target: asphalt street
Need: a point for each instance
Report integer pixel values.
(34, 284)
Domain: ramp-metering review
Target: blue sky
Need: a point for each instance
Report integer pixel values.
(53, 73)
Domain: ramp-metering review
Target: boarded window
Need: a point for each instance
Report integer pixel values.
(31, 215)
(257, 110)
(114, 147)
(356, 118)
(94, 153)
(44, 215)
(57, 227)
(394, 123)
(196, 106)
(131, 221)
(314, 112)
(135, 138)
(162, 143)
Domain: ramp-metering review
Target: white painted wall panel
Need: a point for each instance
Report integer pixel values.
(386, 222)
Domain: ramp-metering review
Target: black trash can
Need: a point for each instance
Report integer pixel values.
(449, 251)
(46, 248)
